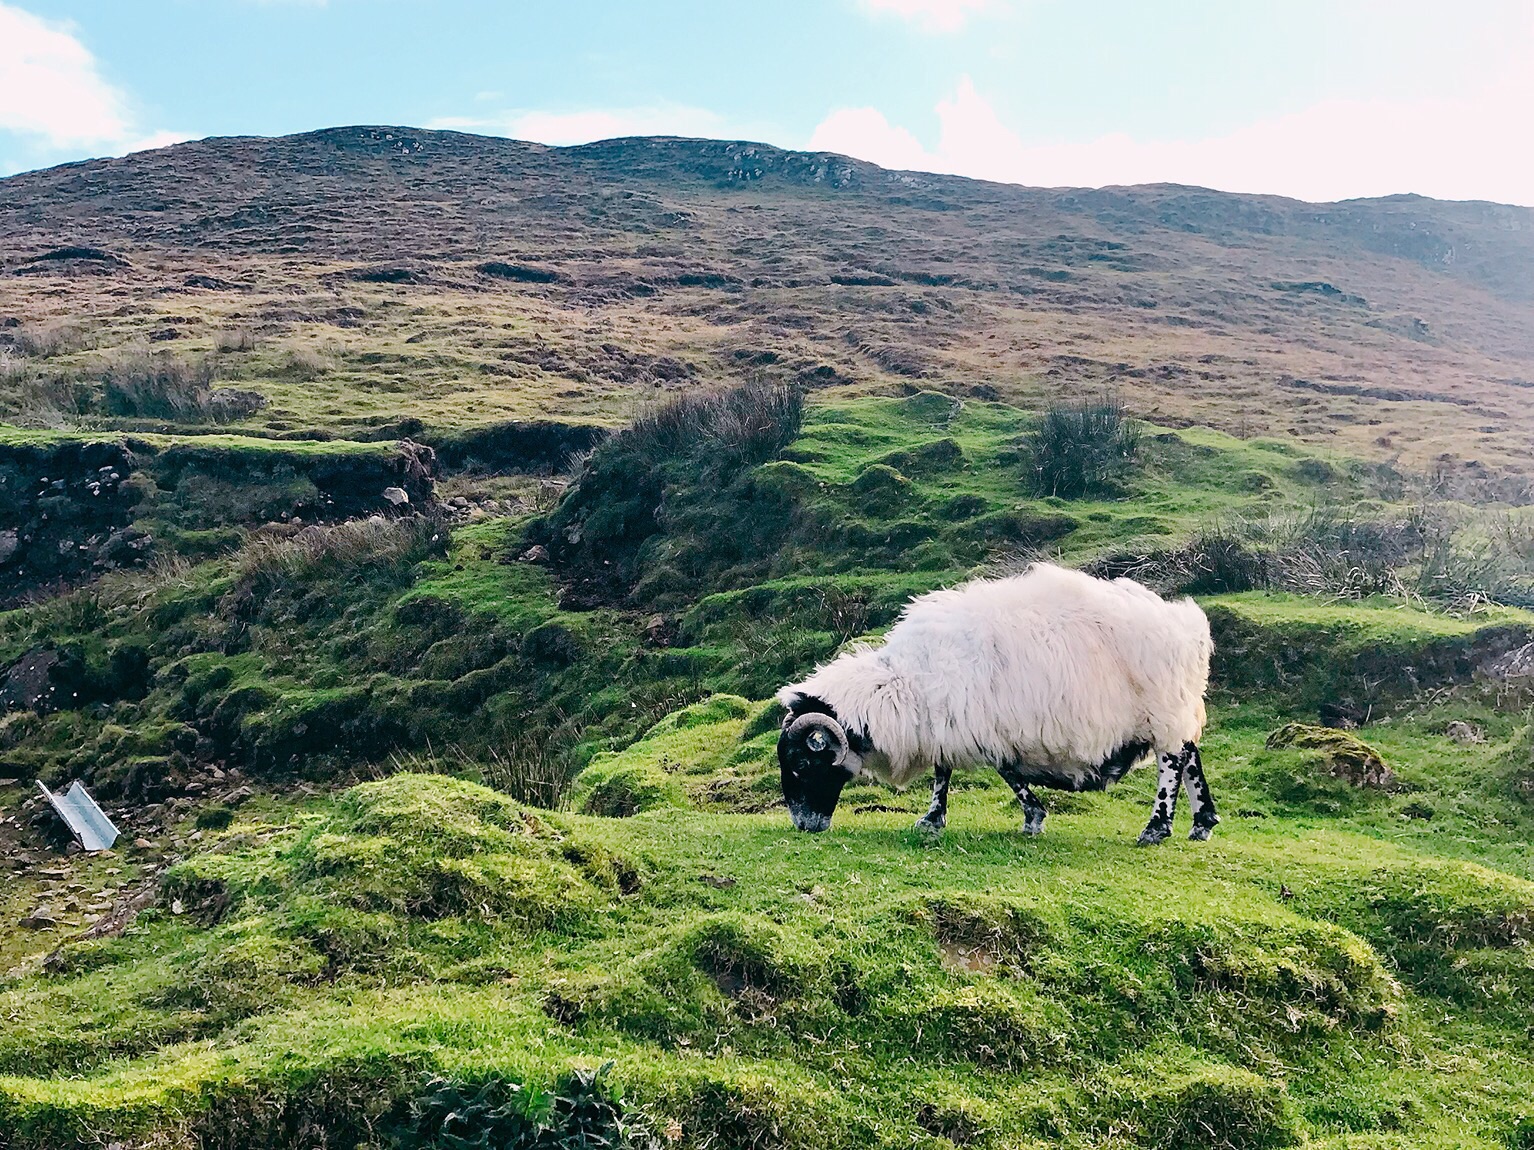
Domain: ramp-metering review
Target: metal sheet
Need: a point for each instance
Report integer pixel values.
(89, 822)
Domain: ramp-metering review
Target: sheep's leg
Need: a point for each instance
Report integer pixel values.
(1033, 810)
(1168, 779)
(936, 817)
(1204, 817)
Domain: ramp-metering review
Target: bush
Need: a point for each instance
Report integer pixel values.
(682, 470)
(235, 339)
(46, 340)
(138, 385)
(327, 549)
(1083, 449)
(740, 426)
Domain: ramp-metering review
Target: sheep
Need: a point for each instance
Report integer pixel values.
(1055, 678)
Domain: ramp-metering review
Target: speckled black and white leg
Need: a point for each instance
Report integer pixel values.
(936, 817)
(1169, 766)
(1204, 817)
(1033, 810)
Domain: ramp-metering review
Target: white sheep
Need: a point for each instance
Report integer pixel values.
(1053, 677)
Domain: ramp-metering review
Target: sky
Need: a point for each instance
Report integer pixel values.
(1316, 99)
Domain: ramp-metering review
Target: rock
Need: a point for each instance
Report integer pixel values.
(27, 685)
(143, 844)
(396, 496)
(1347, 756)
(537, 553)
(40, 919)
(9, 542)
(659, 631)
(1466, 734)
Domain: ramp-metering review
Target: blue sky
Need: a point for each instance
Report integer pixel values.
(1321, 100)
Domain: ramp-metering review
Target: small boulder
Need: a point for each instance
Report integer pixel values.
(10, 541)
(396, 496)
(535, 554)
(27, 685)
(1347, 756)
(1465, 734)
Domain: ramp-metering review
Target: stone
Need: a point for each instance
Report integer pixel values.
(537, 553)
(396, 496)
(1346, 756)
(26, 686)
(1465, 734)
(40, 919)
(10, 541)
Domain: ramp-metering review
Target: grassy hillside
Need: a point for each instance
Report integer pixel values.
(425, 829)
(403, 534)
(359, 277)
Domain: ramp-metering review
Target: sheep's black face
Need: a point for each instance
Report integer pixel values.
(813, 758)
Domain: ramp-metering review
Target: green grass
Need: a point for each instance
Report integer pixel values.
(311, 960)
(866, 985)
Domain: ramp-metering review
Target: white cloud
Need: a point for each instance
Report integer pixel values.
(1472, 147)
(50, 88)
(54, 99)
(584, 126)
(866, 134)
(931, 15)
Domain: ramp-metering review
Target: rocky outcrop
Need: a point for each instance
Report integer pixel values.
(65, 513)
(71, 509)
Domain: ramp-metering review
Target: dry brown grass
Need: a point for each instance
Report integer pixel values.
(1431, 371)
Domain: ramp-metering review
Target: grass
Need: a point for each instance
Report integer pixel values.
(811, 988)
(327, 965)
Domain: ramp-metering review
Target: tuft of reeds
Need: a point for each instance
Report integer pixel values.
(732, 427)
(1083, 449)
(328, 549)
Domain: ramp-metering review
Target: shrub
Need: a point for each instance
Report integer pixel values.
(331, 548)
(235, 339)
(670, 501)
(46, 340)
(1083, 449)
(739, 426)
(139, 385)
(530, 770)
(304, 364)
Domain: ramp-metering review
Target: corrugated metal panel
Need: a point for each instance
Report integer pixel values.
(89, 822)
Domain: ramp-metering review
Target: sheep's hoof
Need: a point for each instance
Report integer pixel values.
(1153, 834)
(1200, 834)
(929, 826)
(1034, 828)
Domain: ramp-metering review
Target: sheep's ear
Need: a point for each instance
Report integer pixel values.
(789, 713)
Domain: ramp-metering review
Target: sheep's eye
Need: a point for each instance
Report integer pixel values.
(817, 741)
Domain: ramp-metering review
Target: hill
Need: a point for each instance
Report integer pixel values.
(403, 535)
(461, 279)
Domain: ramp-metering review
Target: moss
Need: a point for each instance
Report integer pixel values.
(986, 931)
(1344, 755)
(650, 773)
(1215, 1108)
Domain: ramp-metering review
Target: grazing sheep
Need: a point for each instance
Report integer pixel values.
(1053, 677)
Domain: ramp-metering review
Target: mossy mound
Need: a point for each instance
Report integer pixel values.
(692, 755)
(1345, 756)
(1214, 1108)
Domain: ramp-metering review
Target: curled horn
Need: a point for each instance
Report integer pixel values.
(813, 723)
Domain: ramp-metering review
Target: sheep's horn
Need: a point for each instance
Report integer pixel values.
(803, 723)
